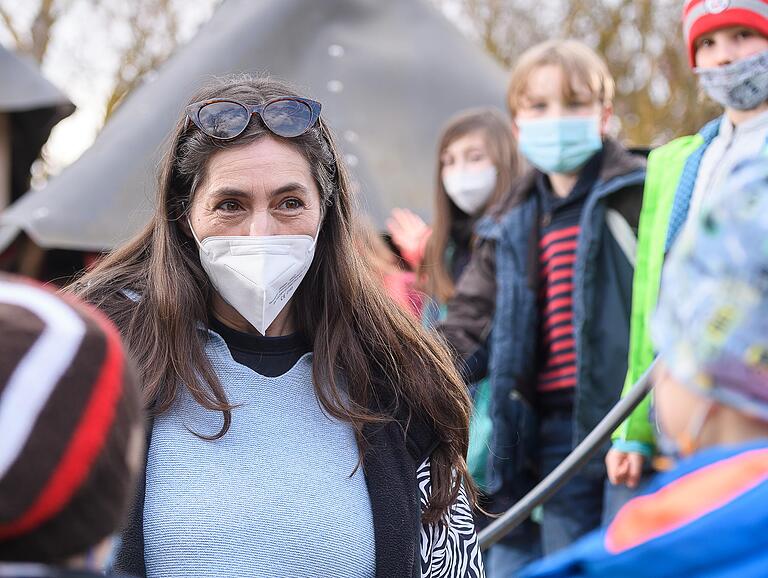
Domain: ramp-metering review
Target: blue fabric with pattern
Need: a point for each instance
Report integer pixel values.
(687, 183)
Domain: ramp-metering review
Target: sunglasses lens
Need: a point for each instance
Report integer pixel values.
(223, 119)
(288, 118)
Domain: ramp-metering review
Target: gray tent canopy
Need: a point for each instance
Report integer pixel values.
(34, 106)
(389, 74)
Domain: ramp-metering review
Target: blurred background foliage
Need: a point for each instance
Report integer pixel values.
(144, 33)
(96, 52)
(641, 40)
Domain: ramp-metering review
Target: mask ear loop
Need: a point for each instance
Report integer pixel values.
(189, 223)
(194, 236)
(192, 230)
(693, 431)
(317, 234)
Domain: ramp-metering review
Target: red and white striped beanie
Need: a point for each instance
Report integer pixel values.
(71, 425)
(704, 16)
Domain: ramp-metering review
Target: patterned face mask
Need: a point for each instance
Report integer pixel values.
(741, 85)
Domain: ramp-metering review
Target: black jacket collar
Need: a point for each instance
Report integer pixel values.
(30, 570)
(615, 161)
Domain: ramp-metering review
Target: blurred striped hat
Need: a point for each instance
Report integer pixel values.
(711, 325)
(704, 16)
(71, 434)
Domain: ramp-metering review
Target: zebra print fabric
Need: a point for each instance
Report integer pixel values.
(448, 550)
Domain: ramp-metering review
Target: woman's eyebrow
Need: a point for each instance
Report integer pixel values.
(294, 187)
(230, 192)
(226, 191)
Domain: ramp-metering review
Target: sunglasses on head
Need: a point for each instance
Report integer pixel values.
(223, 118)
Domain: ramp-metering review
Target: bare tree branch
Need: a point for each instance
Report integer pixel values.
(11, 27)
(153, 24)
(41, 29)
(641, 41)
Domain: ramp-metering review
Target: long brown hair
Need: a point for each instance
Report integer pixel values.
(497, 133)
(390, 366)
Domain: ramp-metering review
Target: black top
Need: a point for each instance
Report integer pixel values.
(33, 570)
(562, 211)
(268, 356)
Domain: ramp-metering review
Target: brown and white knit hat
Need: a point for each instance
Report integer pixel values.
(71, 434)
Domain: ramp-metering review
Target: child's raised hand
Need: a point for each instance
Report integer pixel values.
(409, 234)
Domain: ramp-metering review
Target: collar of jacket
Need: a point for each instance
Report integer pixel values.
(617, 162)
(687, 182)
(393, 452)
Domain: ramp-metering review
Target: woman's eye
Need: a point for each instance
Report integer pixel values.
(229, 206)
(706, 42)
(745, 33)
(291, 204)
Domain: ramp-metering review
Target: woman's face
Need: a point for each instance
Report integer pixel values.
(466, 154)
(259, 189)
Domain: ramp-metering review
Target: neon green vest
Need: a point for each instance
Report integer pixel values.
(665, 166)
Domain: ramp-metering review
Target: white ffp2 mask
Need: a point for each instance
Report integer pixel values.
(470, 190)
(257, 275)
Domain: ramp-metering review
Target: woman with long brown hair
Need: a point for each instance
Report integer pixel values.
(303, 423)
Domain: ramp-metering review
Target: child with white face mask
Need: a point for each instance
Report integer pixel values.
(727, 45)
(468, 173)
(550, 283)
(476, 163)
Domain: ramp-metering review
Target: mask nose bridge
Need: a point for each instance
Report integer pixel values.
(259, 224)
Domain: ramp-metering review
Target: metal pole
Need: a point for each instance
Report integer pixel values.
(570, 465)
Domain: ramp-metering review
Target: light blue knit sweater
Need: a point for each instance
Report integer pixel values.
(274, 497)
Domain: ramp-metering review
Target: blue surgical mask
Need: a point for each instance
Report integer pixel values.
(561, 144)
